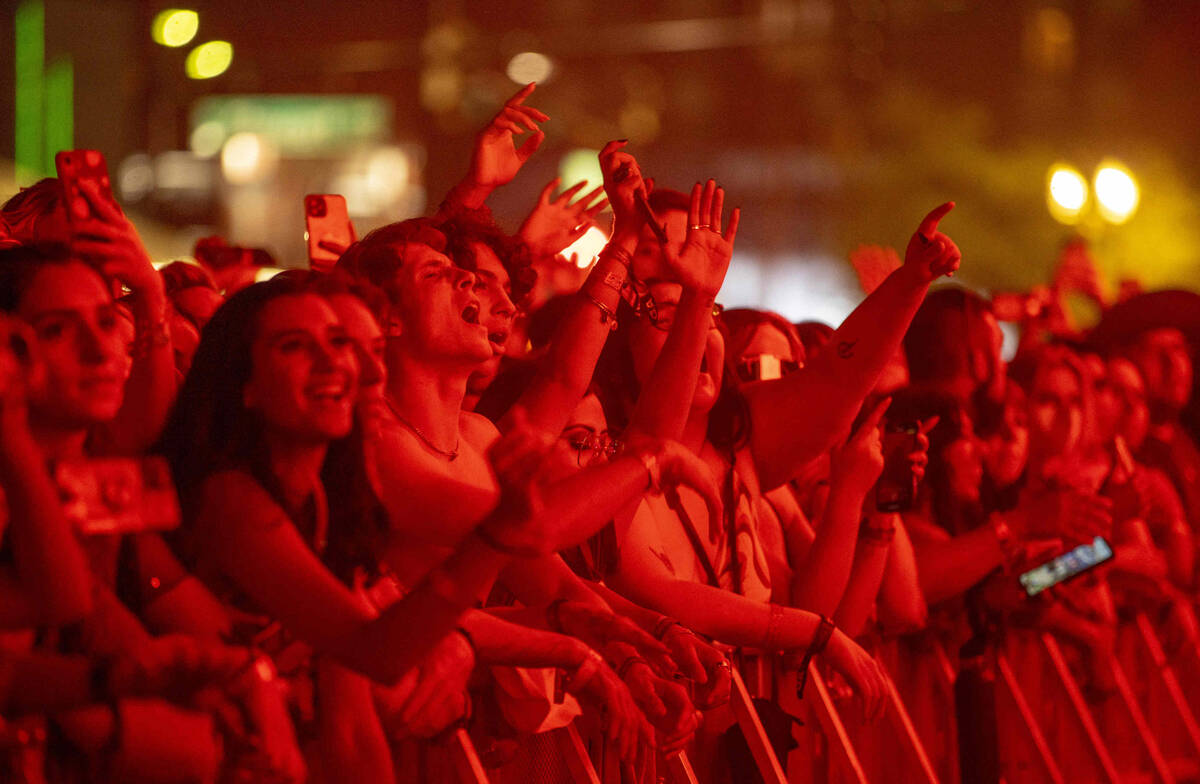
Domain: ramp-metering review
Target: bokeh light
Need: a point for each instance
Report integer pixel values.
(1117, 193)
(587, 247)
(207, 138)
(174, 26)
(1066, 193)
(529, 67)
(248, 158)
(209, 59)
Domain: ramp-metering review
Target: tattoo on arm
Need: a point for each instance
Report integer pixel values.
(845, 349)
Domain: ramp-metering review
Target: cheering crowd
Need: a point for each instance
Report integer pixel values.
(316, 528)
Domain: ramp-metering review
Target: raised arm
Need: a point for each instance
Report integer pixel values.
(796, 418)
(497, 158)
(666, 399)
(108, 240)
(819, 583)
(567, 368)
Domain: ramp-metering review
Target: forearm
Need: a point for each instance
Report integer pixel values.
(948, 568)
(582, 503)
(870, 560)
(150, 390)
(819, 583)
(49, 562)
(538, 582)
(796, 418)
(399, 638)
(723, 615)
(565, 373)
(465, 195)
(666, 399)
(901, 604)
(501, 641)
(643, 616)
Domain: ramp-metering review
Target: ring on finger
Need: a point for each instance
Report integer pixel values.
(697, 226)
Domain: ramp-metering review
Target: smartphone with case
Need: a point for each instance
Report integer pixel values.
(897, 486)
(117, 495)
(327, 228)
(1063, 567)
(76, 166)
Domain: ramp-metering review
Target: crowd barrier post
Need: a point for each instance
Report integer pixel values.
(679, 768)
(1080, 709)
(837, 739)
(1010, 688)
(466, 759)
(574, 752)
(1170, 681)
(1157, 759)
(752, 728)
(903, 722)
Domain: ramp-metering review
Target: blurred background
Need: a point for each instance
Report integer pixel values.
(831, 122)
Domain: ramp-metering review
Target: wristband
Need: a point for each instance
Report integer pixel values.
(663, 626)
(619, 255)
(628, 663)
(819, 641)
(606, 314)
(614, 281)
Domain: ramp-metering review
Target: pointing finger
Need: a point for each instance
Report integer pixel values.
(929, 225)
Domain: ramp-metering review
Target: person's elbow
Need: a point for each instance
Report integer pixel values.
(906, 618)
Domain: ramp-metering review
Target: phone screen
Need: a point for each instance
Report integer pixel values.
(1063, 567)
(897, 487)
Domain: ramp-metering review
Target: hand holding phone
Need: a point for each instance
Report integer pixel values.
(75, 168)
(1066, 566)
(897, 487)
(117, 495)
(327, 228)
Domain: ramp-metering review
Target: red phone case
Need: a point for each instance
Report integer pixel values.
(76, 166)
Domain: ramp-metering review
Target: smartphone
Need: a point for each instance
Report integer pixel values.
(896, 489)
(76, 166)
(327, 228)
(117, 495)
(1063, 567)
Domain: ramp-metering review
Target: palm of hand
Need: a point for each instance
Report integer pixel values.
(495, 161)
(703, 261)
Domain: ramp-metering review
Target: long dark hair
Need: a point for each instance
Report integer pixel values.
(210, 430)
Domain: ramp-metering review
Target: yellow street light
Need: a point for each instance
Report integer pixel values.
(1066, 193)
(174, 26)
(1117, 192)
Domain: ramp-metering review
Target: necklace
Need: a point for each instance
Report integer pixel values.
(449, 455)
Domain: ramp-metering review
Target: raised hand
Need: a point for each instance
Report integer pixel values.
(858, 462)
(931, 253)
(704, 259)
(557, 222)
(622, 181)
(107, 239)
(496, 158)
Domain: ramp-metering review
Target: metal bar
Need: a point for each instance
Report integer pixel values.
(466, 759)
(1009, 679)
(756, 737)
(1082, 712)
(576, 756)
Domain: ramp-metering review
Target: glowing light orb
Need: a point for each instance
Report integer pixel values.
(209, 59)
(174, 26)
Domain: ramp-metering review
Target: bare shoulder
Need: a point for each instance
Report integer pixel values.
(479, 431)
(234, 497)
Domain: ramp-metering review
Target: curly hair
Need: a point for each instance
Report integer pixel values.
(465, 228)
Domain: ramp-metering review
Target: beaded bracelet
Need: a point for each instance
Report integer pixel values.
(771, 639)
(623, 670)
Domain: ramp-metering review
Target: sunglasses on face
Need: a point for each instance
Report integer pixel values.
(765, 367)
(591, 447)
(641, 300)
